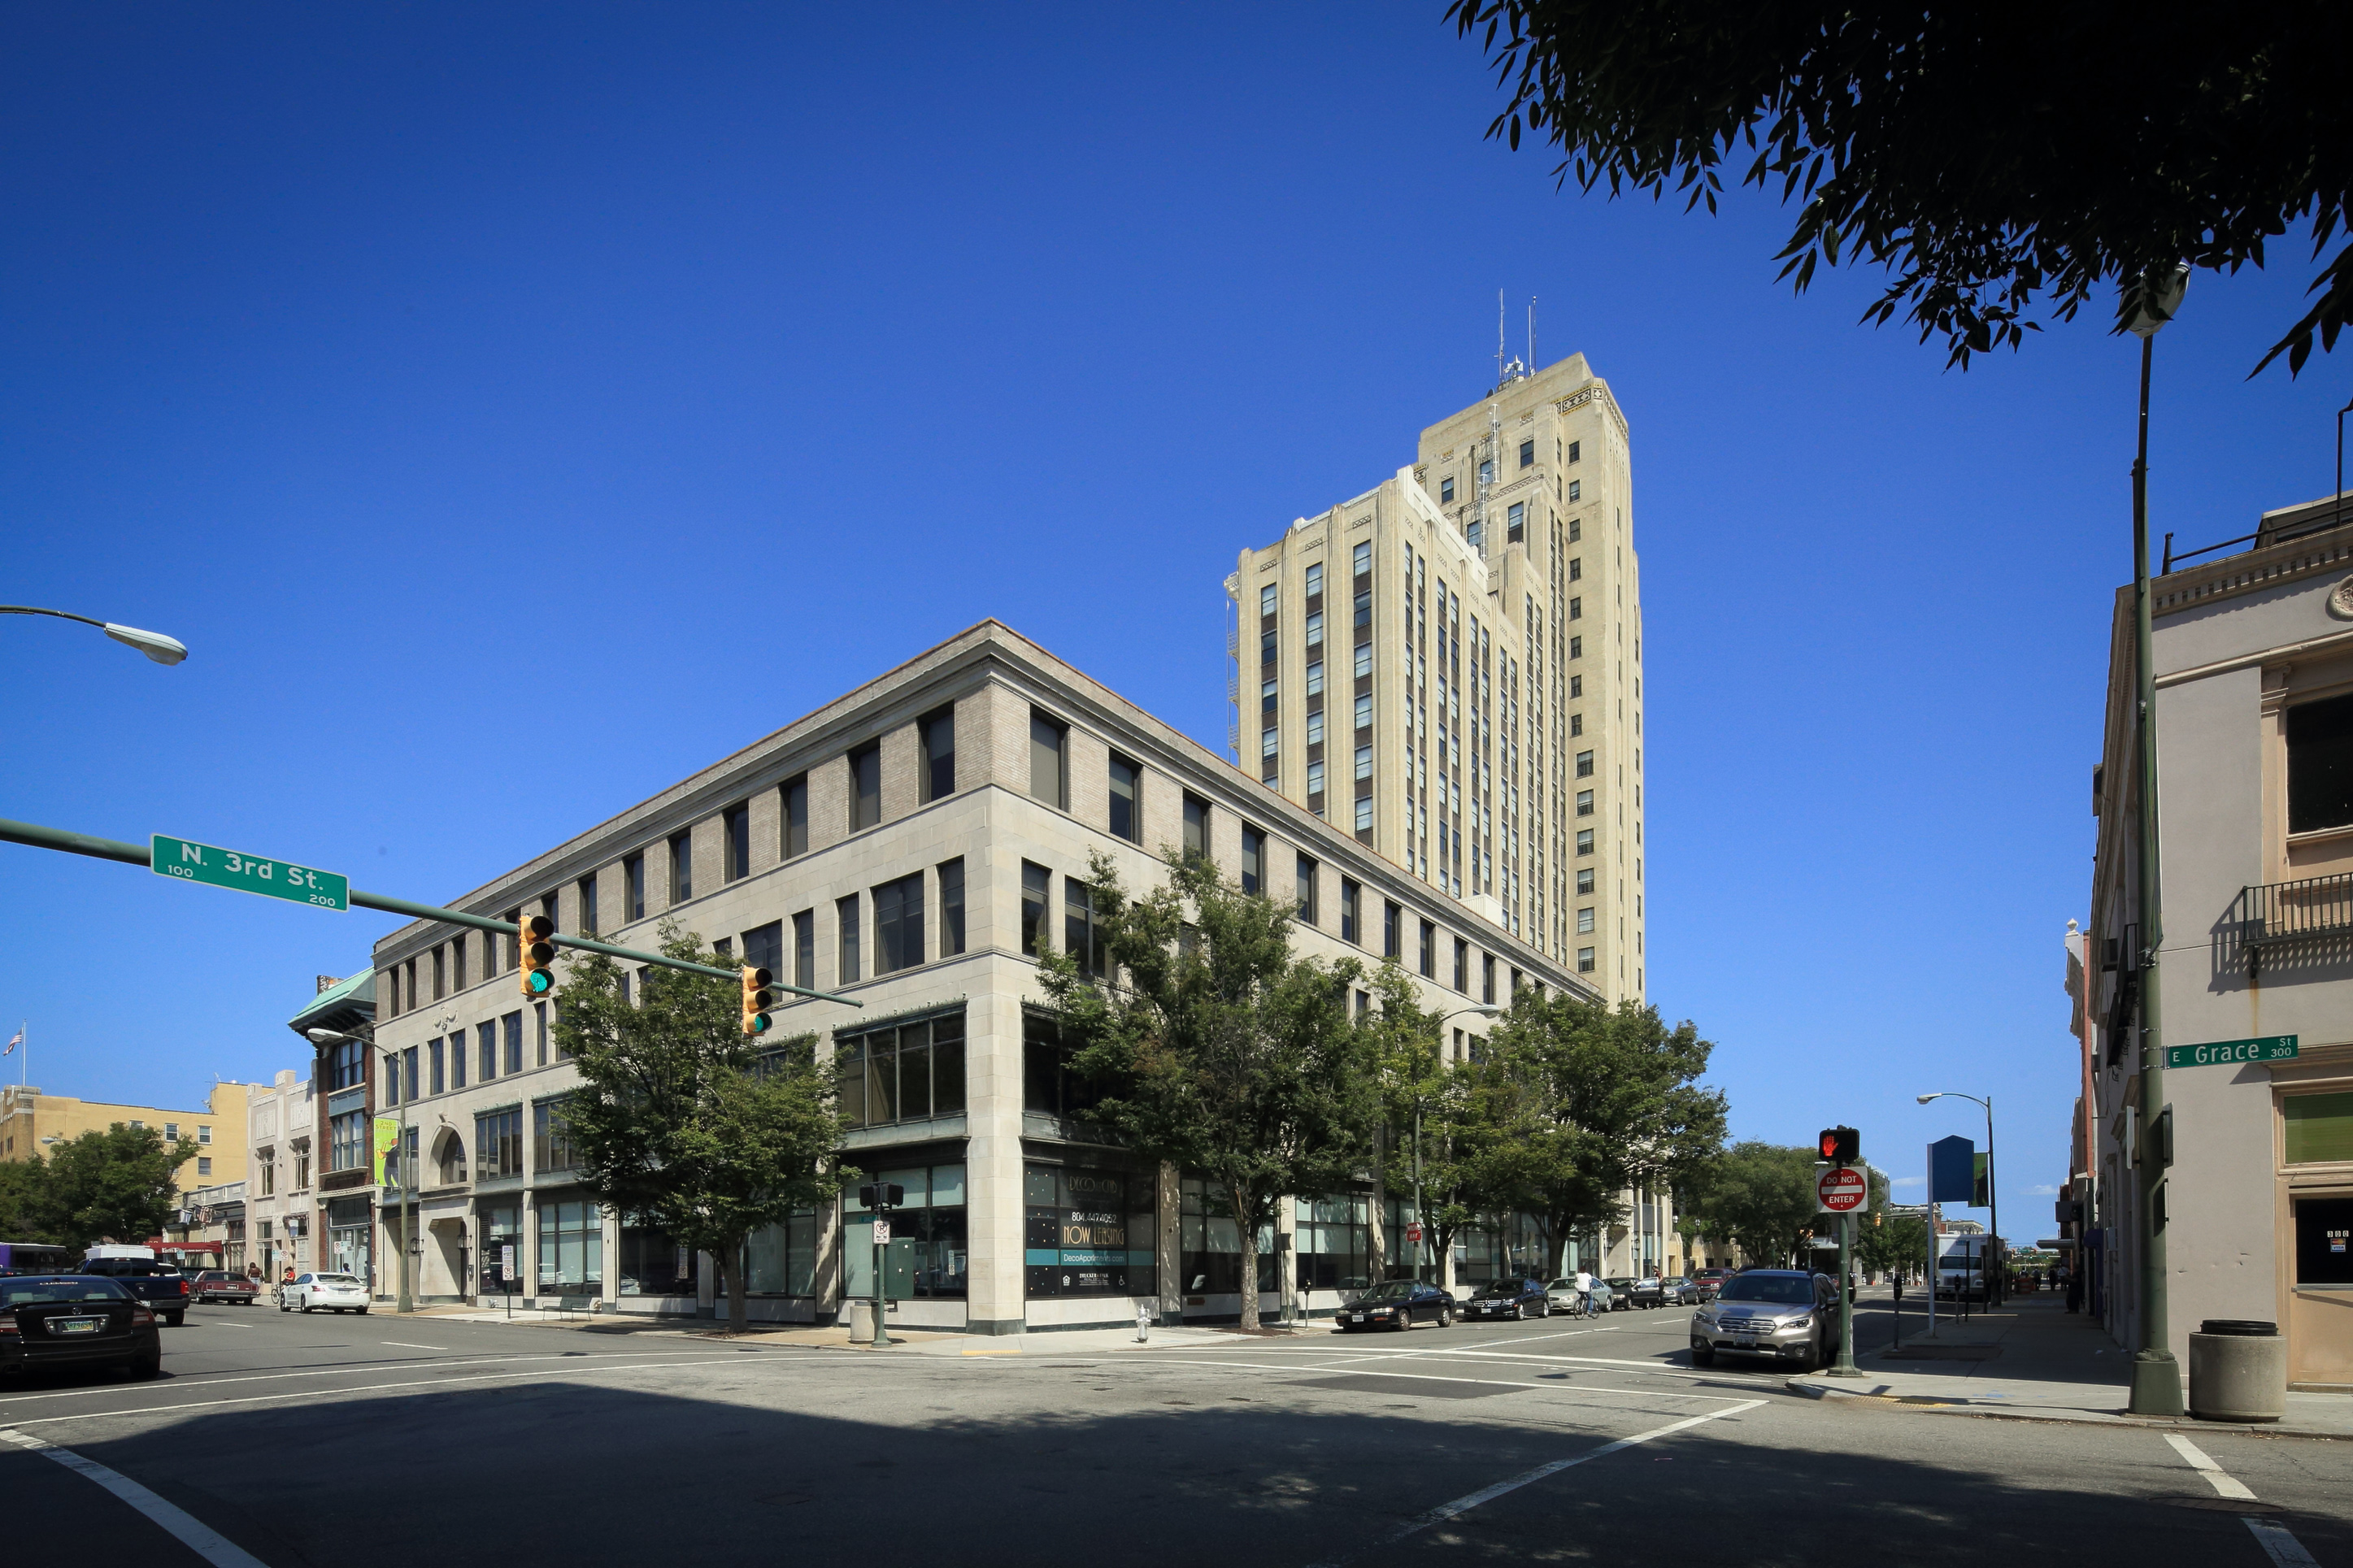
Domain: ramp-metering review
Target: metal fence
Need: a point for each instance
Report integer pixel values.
(2282, 912)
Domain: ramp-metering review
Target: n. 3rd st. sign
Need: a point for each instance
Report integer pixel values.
(1841, 1189)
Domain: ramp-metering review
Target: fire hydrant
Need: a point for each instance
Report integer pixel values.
(1143, 1323)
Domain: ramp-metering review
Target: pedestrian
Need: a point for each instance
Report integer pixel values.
(2074, 1291)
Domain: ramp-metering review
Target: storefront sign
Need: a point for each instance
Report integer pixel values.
(2269, 1049)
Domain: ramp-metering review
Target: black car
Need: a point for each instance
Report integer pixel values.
(1510, 1297)
(1397, 1304)
(1647, 1292)
(74, 1320)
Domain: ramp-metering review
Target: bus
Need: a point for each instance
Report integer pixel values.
(35, 1257)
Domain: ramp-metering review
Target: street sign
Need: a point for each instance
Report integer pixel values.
(882, 1231)
(2269, 1049)
(1841, 1189)
(194, 862)
(506, 1261)
(1413, 1230)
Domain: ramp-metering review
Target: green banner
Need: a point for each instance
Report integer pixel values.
(2269, 1049)
(194, 862)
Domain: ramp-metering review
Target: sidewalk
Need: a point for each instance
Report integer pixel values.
(2034, 1360)
(786, 1336)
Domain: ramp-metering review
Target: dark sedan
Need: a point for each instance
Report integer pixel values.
(61, 1320)
(1509, 1298)
(1397, 1304)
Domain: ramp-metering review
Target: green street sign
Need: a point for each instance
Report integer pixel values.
(2269, 1049)
(194, 862)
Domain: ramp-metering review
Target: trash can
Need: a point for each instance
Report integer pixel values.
(2238, 1371)
(861, 1321)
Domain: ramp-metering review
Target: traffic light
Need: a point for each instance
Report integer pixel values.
(1842, 1145)
(757, 1000)
(537, 953)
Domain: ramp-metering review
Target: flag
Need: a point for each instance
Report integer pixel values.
(12, 1044)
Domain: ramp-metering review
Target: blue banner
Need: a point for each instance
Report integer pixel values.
(1952, 1171)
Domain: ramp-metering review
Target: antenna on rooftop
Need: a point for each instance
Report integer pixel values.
(1499, 337)
(1532, 360)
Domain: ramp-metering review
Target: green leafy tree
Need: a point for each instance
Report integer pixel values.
(1987, 157)
(26, 1212)
(1430, 1132)
(1588, 1100)
(1888, 1243)
(116, 1184)
(682, 1122)
(1760, 1198)
(1214, 1047)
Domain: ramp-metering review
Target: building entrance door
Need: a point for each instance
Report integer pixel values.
(2320, 1294)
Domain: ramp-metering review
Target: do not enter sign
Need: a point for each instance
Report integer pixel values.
(1841, 1189)
(1413, 1231)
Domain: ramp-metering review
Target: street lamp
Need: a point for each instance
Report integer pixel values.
(2151, 299)
(155, 645)
(1479, 1010)
(1993, 1194)
(404, 1302)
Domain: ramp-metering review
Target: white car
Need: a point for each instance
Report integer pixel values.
(336, 1293)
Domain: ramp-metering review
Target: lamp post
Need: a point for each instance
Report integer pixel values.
(2151, 298)
(155, 645)
(1993, 1192)
(1481, 1010)
(404, 1302)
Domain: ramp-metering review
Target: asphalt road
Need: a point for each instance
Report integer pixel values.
(290, 1441)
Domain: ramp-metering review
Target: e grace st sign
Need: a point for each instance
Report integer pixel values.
(2269, 1049)
(194, 862)
(1841, 1189)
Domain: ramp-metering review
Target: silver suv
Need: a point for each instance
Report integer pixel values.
(1780, 1313)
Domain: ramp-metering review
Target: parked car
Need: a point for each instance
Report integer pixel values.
(1677, 1292)
(162, 1286)
(75, 1320)
(336, 1293)
(1784, 1313)
(1647, 1292)
(1512, 1297)
(218, 1285)
(1397, 1304)
(1708, 1281)
(1562, 1293)
(1621, 1292)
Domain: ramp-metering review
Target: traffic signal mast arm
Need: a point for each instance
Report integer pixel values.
(39, 837)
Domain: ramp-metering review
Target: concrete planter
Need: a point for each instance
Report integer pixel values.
(2238, 1372)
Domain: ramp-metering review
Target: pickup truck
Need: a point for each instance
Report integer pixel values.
(163, 1288)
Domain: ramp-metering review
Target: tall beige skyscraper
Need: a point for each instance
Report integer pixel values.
(1449, 665)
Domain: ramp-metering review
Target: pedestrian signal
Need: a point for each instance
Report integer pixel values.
(1842, 1145)
(537, 955)
(757, 1000)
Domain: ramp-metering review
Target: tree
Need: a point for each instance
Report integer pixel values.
(1214, 1048)
(1760, 1198)
(26, 1212)
(1987, 157)
(681, 1120)
(1588, 1102)
(117, 1184)
(1891, 1242)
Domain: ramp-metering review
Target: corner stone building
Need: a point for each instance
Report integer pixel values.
(911, 846)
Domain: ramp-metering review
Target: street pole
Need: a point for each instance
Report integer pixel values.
(407, 1188)
(1993, 1205)
(881, 1232)
(1845, 1366)
(1421, 1248)
(2157, 1376)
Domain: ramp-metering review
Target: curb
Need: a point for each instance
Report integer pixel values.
(1933, 1405)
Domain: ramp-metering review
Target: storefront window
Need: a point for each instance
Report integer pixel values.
(2324, 1244)
(906, 1073)
(502, 1229)
(1209, 1245)
(1090, 1232)
(571, 1248)
(655, 1263)
(348, 1225)
(1336, 1243)
(931, 1222)
(782, 1260)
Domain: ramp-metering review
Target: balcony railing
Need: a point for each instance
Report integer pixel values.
(2278, 913)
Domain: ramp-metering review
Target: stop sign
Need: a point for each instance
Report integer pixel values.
(1841, 1189)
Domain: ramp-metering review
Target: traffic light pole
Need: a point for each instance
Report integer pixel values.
(39, 837)
(1845, 1366)
(882, 1247)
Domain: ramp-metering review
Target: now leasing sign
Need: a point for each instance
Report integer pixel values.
(2221, 1053)
(194, 862)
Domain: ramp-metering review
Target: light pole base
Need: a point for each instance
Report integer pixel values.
(1844, 1368)
(2156, 1385)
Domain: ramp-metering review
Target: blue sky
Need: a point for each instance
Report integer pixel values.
(370, 350)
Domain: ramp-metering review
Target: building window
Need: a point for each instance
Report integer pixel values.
(951, 908)
(347, 1141)
(571, 1248)
(346, 1063)
(763, 948)
(1516, 524)
(908, 1073)
(805, 949)
(1315, 679)
(1082, 938)
(1446, 490)
(1428, 954)
(204, 1135)
(551, 1145)
(899, 924)
(1365, 712)
(486, 1042)
(1126, 804)
(2319, 1129)
(1584, 764)
(1363, 764)
(1197, 825)
(1573, 448)
(1584, 961)
(1253, 859)
(1527, 454)
(633, 890)
(1316, 618)
(1585, 881)
(539, 1021)
(1392, 929)
(796, 816)
(1585, 803)
(1050, 773)
(1088, 1232)
(498, 1145)
(1361, 558)
(1364, 608)
(1585, 920)
(1364, 660)
(1035, 882)
(1315, 578)
(1315, 784)
(1267, 600)
(434, 1075)
(2320, 764)
(513, 1030)
(1269, 698)
(931, 1217)
(458, 1060)
(587, 892)
(1209, 1243)
(845, 927)
(1487, 978)
(1352, 899)
(681, 867)
(1577, 609)
(1307, 891)
(1585, 841)
(440, 987)
(391, 1091)
(735, 834)
(1576, 650)
(204, 1163)
(1462, 966)
(866, 785)
(937, 733)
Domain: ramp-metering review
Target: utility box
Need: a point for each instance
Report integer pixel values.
(898, 1269)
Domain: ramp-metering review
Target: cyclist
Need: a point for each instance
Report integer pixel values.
(1584, 1307)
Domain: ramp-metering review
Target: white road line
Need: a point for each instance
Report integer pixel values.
(365, 1388)
(2278, 1546)
(405, 1346)
(1464, 1505)
(214, 1325)
(2221, 1481)
(212, 1547)
(209, 1380)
